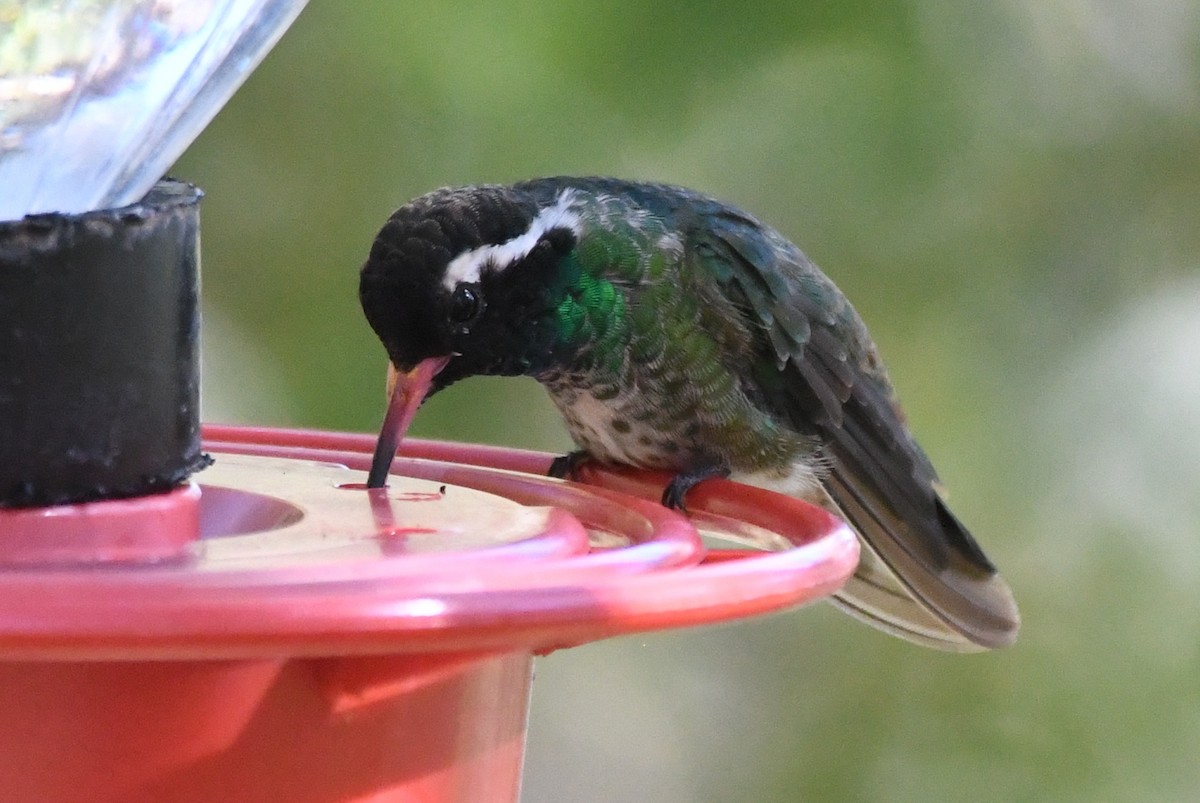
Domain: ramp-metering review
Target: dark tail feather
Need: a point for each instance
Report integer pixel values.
(926, 581)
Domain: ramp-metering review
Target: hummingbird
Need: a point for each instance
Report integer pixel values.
(679, 333)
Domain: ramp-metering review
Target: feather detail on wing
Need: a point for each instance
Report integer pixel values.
(922, 576)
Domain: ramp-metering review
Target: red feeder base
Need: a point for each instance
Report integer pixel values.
(400, 729)
(302, 639)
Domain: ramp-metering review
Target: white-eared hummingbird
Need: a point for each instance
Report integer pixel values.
(676, 332)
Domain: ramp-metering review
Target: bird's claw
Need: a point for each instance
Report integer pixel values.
(565, 466)
(675, 494)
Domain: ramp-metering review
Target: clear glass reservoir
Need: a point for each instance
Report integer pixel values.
(99, 97)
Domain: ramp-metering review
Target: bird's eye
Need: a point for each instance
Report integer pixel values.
(465, 303)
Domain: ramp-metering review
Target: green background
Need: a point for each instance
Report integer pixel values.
(1008, 191)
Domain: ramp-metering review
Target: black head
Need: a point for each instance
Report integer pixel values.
(471, 273)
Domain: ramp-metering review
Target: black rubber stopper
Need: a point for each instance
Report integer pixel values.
(99, 351)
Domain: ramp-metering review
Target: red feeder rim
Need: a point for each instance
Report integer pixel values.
(297, 558)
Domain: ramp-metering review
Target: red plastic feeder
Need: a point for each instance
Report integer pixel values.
(277, 632)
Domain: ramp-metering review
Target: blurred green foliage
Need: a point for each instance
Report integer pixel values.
(1007, 191)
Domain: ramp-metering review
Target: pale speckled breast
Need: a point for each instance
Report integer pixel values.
(611, 431)
(614, 431)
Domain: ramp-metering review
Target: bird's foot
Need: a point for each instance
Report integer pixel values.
(565, 466)
(675, 494)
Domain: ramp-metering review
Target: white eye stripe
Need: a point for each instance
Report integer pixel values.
(469, 265)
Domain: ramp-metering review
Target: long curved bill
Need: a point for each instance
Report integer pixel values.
(406, 391)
